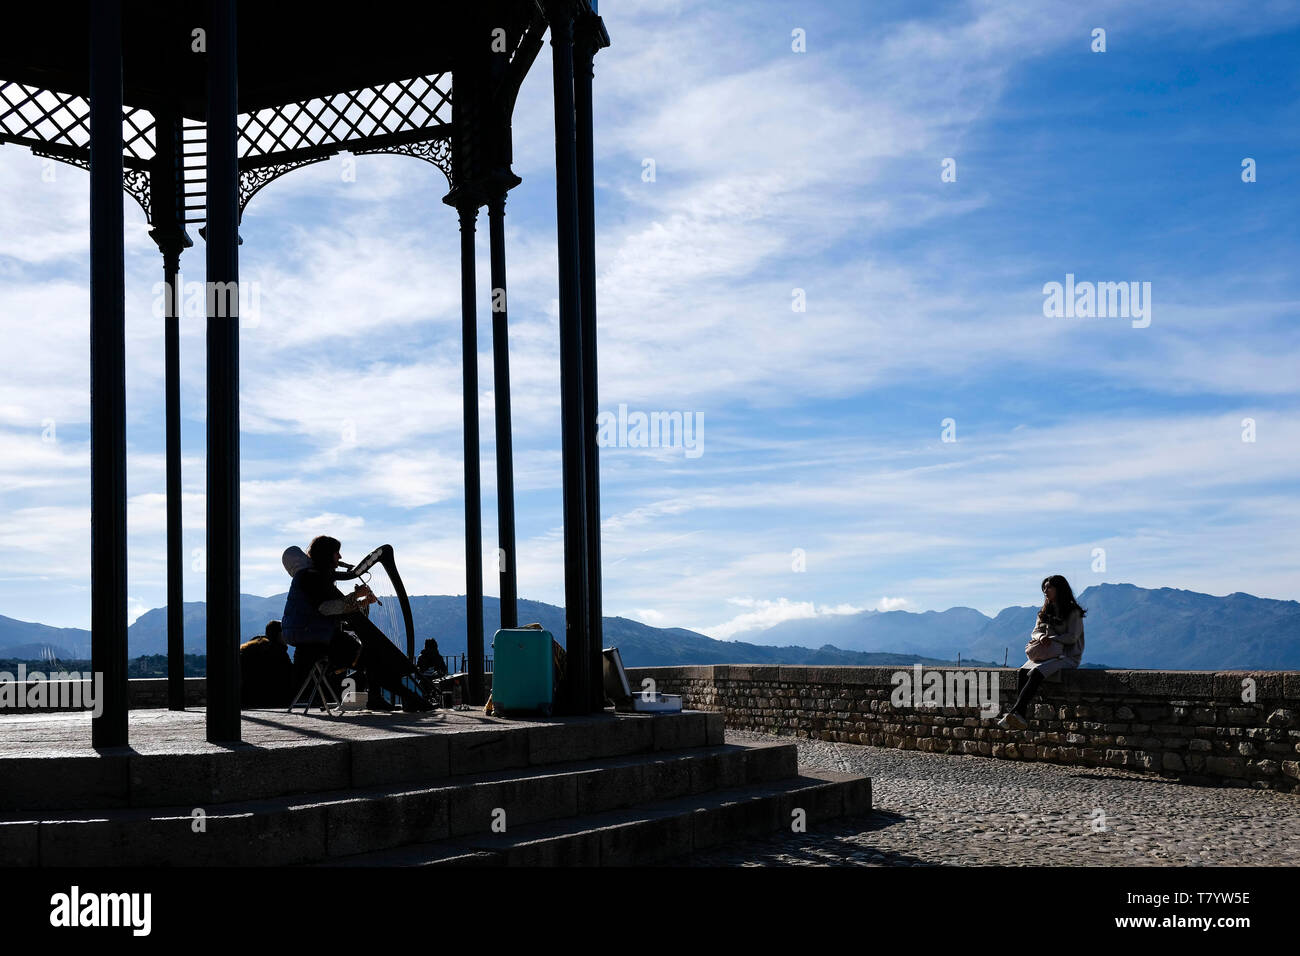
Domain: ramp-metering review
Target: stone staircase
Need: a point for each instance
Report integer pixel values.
(623, 789)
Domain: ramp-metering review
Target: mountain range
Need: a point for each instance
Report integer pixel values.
(442, 617)
(1126, 626)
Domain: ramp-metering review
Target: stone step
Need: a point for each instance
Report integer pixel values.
(287, 830)
(367, 752)
(654, 832)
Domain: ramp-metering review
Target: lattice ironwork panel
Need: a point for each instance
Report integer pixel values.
(411, 117)
(60, 122)
(326, 125)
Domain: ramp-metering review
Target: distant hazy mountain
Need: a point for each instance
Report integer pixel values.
(1005, 636)
(24, 640)
(1126, 626)
(148, 635)
(443, 617)
(934, 633)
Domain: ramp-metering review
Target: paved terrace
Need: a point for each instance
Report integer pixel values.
(932, 809)
(944, 809)
(46, 760)
(157, 731)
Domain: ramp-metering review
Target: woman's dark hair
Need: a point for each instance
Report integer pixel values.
(322, 550)
(1065, 602)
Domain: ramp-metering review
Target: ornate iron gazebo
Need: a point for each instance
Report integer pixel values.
(192, 108)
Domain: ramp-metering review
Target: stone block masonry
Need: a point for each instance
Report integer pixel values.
(142, 693)
(1234, 728)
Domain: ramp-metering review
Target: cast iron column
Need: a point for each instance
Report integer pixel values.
(468, 211)
(577, 606)
(167, 204)
(585, 46)
(107, 376)
(223, 377)
(175, 565)
(501, 388)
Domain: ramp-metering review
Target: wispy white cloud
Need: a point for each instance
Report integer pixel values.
(763, 614)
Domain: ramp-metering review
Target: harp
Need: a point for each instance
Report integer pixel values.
(382, 557)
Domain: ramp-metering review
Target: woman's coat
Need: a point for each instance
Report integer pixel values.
(1070, 634)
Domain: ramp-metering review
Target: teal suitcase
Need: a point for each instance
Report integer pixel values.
(522, 670)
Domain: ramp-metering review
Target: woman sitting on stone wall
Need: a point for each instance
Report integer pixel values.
(1055, 645)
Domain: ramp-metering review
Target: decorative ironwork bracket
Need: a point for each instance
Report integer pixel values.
(252, 181)
(135, 182)
(438, 152)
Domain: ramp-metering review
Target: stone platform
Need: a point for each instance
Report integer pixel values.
(396, 789)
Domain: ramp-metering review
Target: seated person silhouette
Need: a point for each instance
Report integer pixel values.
(265, 671)
(430, 662)
(320, 620)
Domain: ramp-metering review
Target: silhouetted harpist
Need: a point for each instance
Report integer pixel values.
(1055, 645)
(320, 620)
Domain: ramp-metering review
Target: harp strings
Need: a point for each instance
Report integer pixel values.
(387, 616)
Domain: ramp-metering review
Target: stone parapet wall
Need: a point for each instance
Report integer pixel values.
(147, 692)
(1239, 728)
(142, 693)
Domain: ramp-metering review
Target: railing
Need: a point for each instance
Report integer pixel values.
(459, 663)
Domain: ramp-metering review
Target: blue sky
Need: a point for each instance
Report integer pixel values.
(774, 171)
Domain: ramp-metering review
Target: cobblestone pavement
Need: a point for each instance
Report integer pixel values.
(937, 809)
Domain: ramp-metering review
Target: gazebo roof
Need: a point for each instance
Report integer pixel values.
(289, 50)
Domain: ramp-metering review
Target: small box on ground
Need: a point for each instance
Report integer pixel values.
(625, 700)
